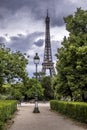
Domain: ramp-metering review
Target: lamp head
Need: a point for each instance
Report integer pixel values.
(36, 59)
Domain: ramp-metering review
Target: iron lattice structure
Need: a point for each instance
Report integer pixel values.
(48, 63)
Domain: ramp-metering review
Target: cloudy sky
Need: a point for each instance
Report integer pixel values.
(22, 25)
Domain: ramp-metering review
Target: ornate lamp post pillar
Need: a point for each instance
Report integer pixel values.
(36, 62)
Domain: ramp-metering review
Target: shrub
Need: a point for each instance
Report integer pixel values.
(1, 125)
(76, 110)
(7, 108)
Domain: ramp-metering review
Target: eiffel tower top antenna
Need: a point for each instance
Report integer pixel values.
(47, 13)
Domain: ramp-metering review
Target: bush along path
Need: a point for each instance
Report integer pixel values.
(45, 120)
(75, 110)
(7, 108)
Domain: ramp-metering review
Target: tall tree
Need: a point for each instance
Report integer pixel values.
(32, 86)
(48, 90)
(72, 58)
(12, 66)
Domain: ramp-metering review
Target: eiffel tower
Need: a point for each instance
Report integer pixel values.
(47, 62)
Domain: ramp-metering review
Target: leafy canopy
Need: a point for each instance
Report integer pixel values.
(12, 66)
(72, 58)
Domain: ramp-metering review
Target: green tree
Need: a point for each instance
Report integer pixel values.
(72, 58)
(31, 89)
(54, 83)
(12, 66)
(16, 91)
(48, 90)
(13, 91)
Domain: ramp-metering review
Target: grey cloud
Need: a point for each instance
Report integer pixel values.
(57, 8)
(55, 45)
(23, 42)
(39, 43)
(1, 17)
(15, 38)
(2, 39)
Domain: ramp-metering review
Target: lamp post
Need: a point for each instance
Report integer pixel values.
(36, 62)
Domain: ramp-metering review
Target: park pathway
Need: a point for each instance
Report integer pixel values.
(45, 120)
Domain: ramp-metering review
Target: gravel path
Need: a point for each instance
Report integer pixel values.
(45, 120)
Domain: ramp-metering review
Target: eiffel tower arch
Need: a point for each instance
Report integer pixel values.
(47, 61)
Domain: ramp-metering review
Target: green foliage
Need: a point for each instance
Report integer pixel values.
(12, 91)
(12, 66)
(7, 108)
(72, 58)
(16, 91)
(22, 91)
(32, 86)
(2, 126)
(13, 74)
(54, 83)
(76, 110)
(77, 23)
(48, 90)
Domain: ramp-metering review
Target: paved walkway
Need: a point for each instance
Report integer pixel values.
(45, 120)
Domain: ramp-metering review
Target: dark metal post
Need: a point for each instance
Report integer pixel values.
(36, 109)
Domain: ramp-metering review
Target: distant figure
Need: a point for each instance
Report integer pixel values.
(19, 102)
(44, 100)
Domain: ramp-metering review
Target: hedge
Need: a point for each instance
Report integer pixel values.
(7, 108)
(75, 110)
